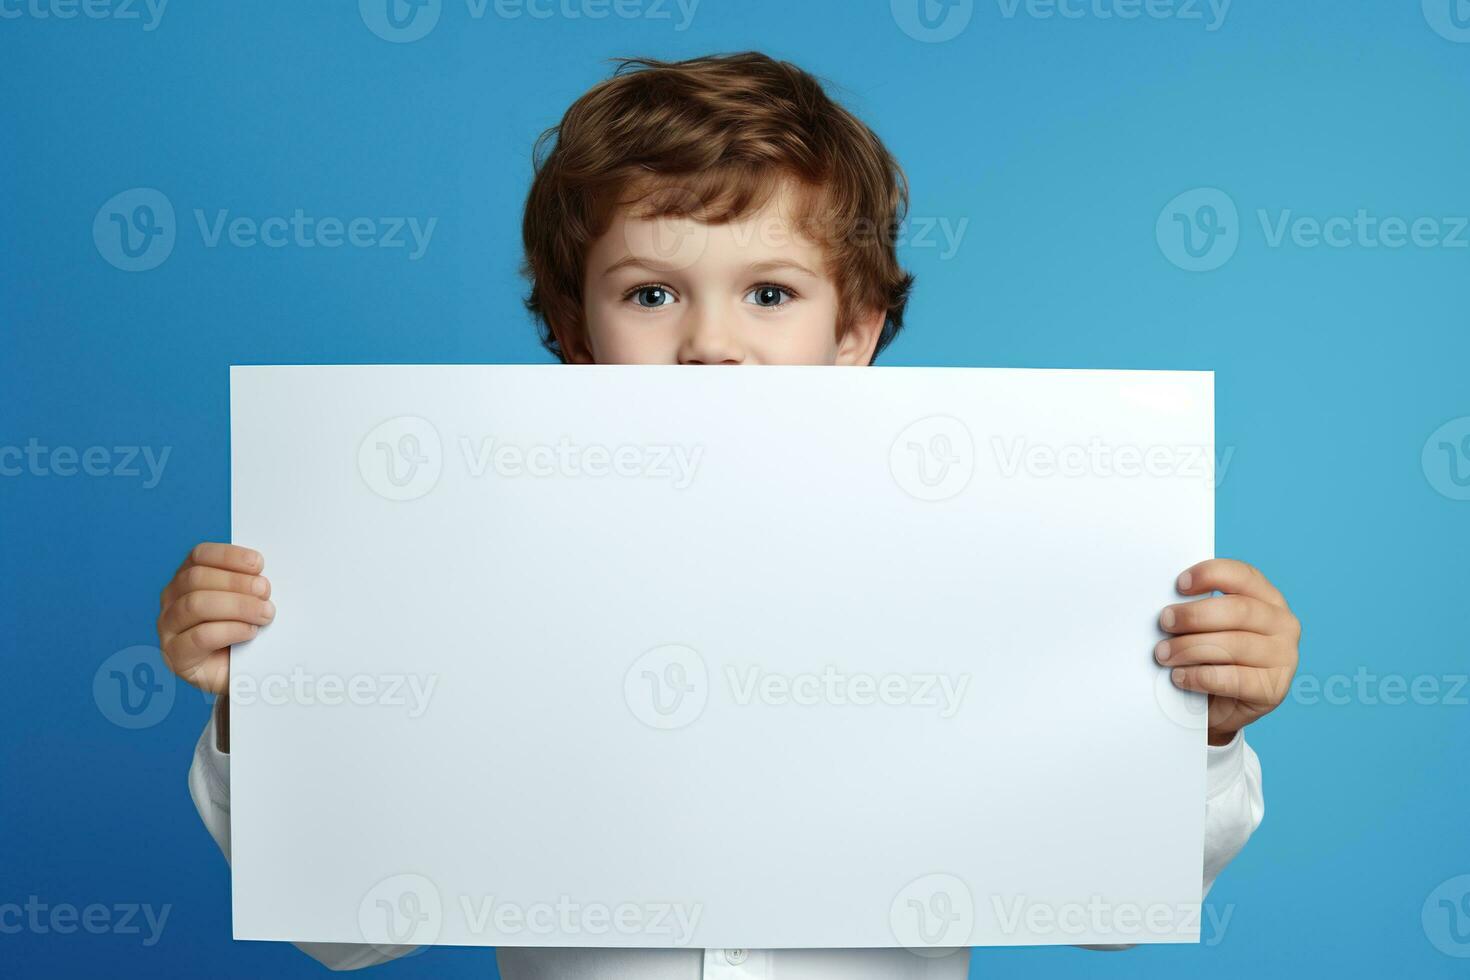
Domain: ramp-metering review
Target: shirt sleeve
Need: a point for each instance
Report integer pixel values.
(1234, 804)
(209, 786)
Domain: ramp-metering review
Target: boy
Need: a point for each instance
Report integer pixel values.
(724, 210)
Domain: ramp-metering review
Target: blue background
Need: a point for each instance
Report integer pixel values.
(1059, 140)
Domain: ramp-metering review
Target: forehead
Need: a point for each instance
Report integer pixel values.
(670, 227)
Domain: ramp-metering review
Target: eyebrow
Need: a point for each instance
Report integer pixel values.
(758, 268)
(632, 260)
(777, 265)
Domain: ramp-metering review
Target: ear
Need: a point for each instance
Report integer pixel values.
(856, 346)
(573, 346)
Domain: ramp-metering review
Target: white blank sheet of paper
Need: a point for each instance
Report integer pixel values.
(689, 656)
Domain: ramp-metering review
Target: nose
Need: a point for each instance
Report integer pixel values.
(708, 339)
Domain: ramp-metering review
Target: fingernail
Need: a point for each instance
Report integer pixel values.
(270, 609)
(254, 629)
(1166, 618)
(1177, 676)
(1161, 652)
(259, 587)
(1185, 580)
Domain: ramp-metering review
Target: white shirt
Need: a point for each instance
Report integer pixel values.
(1234, 807)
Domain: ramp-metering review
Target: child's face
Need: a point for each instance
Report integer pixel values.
(750, 291)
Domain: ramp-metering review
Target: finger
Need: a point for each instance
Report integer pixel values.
(1228, 647)
(212, 674)
(201, 655)
(1252, 685)
(1226, 612)
(193, 608)
(1229, 576)
(231, 557)
(204, 578)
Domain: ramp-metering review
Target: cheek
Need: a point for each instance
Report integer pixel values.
(616, 337)
(807, 338)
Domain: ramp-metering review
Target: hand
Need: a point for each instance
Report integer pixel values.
(1240, 648)
(217, 598)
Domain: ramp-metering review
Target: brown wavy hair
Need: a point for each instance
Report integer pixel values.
(712, 138)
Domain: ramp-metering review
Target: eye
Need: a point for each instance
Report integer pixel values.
(650, 296)
(770, 296)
